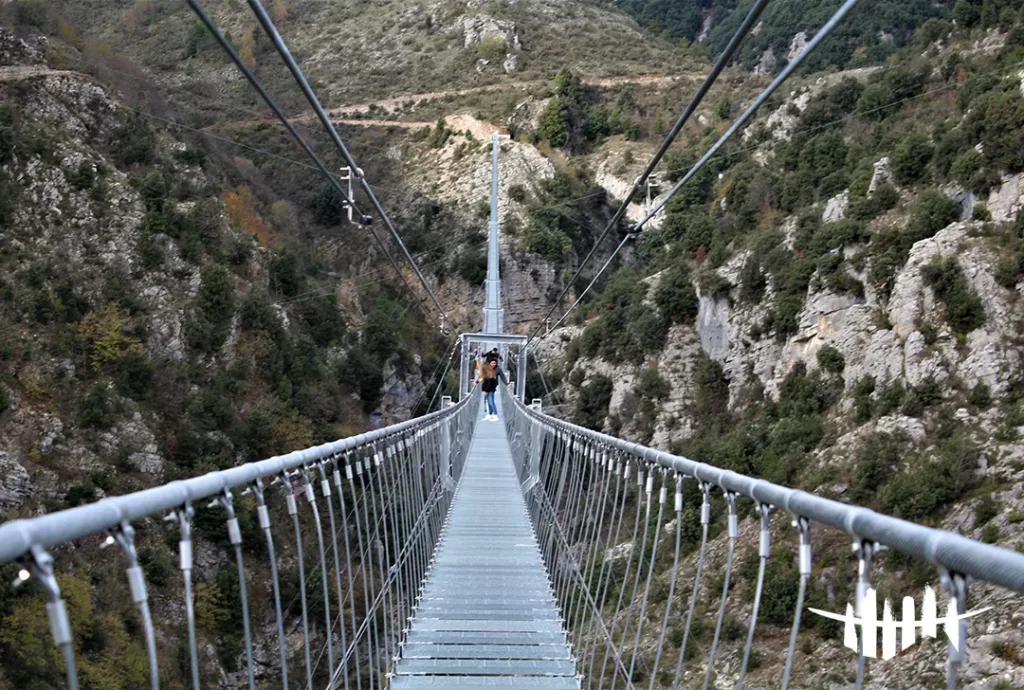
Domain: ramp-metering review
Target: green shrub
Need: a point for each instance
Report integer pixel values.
(877, 457)
(517, 192)
(967, 13)
(804, 394)
(831, 360)
(472, 266)
(967, 169)
(79, 494)
(675, 296)
(492, 47)
(964, 310)
(862, 402)
(150, 251)
(981, 213)
(546, 239)
(990, 533)
(890, 398)
(691, 229)
(321, 317)
(911, 157)
(32, 13)
(360, 373)
(553, 123)
(980, 396)
(381, 333)
(886, 196)
(134, 375)
(985, 509)
(285, 275)
(752, 281)
(932, 212)
(862, 208)
(780, 589)
(135, 142)
(197, 39)
(84, 177)
(711, 388)
(652, 385)
(96, 410)
(439, 136)
(593, 401)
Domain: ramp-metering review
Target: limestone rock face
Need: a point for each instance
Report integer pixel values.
(618, 187)
(835, 208)
(796, 45)
(1005, 201)
(766, 65)
(882, 173)
(134, 438)
(15, 484)
(902, 338)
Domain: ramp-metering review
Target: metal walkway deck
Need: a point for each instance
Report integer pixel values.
(487, 617)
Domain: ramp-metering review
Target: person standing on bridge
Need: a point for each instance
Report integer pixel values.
(490, 385)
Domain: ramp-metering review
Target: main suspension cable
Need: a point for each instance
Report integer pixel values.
(364, 219)
(823, 32)
(702, 90)
(268, 25)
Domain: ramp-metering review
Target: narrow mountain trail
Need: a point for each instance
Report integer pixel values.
(342, 114)
(19, 72)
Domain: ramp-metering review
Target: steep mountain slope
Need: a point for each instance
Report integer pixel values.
(356, 50)
(871, 32)
(835, 304)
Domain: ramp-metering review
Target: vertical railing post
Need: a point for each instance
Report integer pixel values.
(183, 516)
(446, 456)
(40, 565)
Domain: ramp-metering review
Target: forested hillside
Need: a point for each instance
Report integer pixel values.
(868, 36)
(833, 302)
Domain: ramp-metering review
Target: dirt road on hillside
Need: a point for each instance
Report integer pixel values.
(18, 72)
(338, 114)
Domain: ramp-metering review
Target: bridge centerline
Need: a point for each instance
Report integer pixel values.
(487, 578)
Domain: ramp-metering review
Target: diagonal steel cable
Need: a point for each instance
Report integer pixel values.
(822, 33)
(723, 60)
(268, 25)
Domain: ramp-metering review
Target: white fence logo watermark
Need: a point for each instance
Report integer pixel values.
(907, 627)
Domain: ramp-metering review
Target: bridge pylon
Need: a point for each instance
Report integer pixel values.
(493, 333)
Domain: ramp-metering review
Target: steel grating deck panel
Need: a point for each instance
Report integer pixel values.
(487, 617)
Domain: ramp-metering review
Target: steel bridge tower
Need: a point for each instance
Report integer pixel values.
(493, 334)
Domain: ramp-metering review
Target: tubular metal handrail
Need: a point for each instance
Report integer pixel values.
(939, 547)
(567, 470)
(17, 537)
(393, 486)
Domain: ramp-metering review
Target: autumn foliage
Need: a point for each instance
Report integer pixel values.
(240, 207)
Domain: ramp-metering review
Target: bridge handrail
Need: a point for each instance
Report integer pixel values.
(17, 537)
(941, 548)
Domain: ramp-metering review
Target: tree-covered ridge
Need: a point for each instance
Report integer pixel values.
(948, 122)
(868, 34)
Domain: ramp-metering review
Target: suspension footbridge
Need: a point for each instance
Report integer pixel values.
(450, 551)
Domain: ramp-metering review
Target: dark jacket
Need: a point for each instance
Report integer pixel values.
(490, 384)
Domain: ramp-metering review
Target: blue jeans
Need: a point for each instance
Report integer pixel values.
(492, 408)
